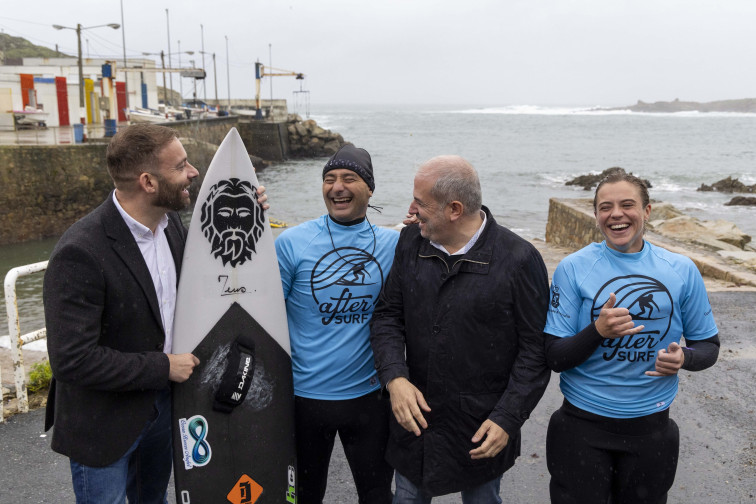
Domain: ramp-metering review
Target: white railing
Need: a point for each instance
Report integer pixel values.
(17, 340)
(54, 135)
(47, 136)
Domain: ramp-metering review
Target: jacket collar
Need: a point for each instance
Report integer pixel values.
(481, 252)
(125, 246)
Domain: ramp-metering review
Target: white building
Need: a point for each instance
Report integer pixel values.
(52, 85)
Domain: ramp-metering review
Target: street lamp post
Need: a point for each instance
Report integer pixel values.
(125, 73)
(170, 61)
(194, 92)
(162, 62)
(78, 31)
(181, 79)
(202, 52)
(215, 83)
(228, 76)
(215, 78)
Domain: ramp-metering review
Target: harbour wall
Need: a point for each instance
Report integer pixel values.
(46, 188)
(269, 141)
(571, 223)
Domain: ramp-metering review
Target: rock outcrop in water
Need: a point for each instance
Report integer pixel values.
(591, 180)
(743, 106)
(728, 185)
(308, 140)
(742, 201)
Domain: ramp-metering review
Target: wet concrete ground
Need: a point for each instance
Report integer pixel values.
(716, 412)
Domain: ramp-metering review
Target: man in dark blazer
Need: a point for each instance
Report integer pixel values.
(109, 294)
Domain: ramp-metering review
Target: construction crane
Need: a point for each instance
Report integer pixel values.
(260, 72)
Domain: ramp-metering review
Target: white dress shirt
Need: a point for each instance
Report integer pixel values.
(157, 255)
(470, 243)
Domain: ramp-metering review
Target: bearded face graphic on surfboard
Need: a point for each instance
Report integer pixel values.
(233, 420)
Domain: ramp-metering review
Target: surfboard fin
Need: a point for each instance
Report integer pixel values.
(237, 377)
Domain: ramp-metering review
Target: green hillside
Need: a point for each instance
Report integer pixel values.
(18, 47)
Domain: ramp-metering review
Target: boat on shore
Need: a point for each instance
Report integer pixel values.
(241, 110)
(141, 115)
(30, 117)
(198, 109)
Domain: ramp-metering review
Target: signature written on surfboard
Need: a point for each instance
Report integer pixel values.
(228, 290)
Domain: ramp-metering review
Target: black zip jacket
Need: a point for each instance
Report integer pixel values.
(467, 332)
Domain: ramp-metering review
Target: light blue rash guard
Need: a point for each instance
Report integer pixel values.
(331, 283)
(662, 290)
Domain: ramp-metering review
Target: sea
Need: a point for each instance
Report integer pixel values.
(523, 155)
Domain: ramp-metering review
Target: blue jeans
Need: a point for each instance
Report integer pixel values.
(408, 493)
(142, 473)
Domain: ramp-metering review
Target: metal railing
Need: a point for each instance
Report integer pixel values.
(17, 340)
(38, 136)
(54, 135)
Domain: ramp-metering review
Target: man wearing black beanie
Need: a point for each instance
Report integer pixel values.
(332, 270)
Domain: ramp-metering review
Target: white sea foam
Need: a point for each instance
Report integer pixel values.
(666, 186)
(553, 178)
(522, 110)
(587, 111)
(747, 178)
(698, 204)
(324, 121)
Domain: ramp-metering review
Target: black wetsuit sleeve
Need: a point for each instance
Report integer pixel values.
(566, 353)
(700, 354)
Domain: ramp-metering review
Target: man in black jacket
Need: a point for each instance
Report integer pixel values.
(457, 338)
(109, 293)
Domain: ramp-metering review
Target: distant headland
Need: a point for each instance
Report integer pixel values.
(744, 106)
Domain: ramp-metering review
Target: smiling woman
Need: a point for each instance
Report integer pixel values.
(617, 315)
(622, 209)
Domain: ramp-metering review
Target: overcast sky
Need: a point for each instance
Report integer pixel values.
(476, 52)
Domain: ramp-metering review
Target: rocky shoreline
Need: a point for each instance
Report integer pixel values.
(742, 106)
(726, 185)
(731, 185)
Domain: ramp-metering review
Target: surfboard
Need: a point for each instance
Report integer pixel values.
(233, 420)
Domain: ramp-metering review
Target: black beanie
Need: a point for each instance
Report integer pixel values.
(352, 158)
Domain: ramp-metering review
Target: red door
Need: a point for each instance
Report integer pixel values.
(61, 90)
(121, 100)
(27, 90)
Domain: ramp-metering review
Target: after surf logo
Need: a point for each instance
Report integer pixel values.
(232, 220)
(555, 296)
(194, 445)
(343, 282)
(649, 303)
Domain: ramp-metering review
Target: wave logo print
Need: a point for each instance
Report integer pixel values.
(195, 447)
(555, 296)
(649, 303)
(232, 220)
(343, 282)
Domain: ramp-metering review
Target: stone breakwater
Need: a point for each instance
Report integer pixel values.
(308, 140)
